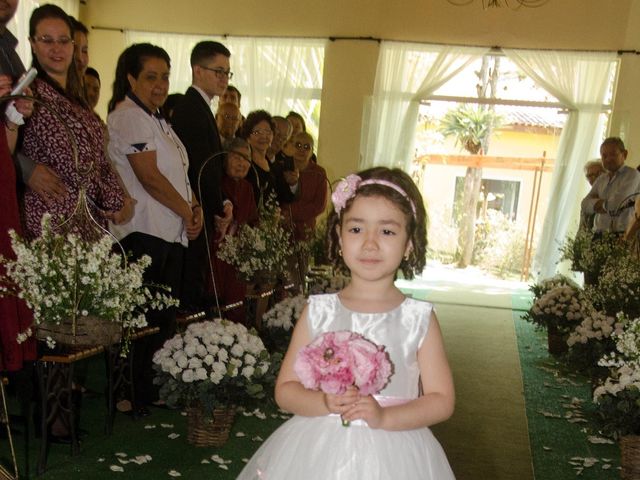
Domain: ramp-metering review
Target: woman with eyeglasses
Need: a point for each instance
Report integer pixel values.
(230, 289)
(265, 177)
(310, 201)
(47, 142)
(154, 165)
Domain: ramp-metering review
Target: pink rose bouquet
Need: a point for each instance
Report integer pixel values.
(334, 361)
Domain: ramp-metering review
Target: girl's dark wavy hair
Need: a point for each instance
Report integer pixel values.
(416, 224)
(131, 62)
(73, 90)
(253, 119)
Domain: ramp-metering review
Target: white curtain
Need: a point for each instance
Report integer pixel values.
(406, 74)
(19, 25)
(274, 74)
(580, 80)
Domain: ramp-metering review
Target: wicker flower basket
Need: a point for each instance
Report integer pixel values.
(556, 341)
(89, 331)
(207, 431)
(630, 457)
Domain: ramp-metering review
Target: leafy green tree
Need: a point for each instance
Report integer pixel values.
(471, 126)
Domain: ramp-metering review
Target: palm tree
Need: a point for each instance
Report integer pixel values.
(471, 127)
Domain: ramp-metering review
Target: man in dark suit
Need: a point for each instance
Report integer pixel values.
(195, 124)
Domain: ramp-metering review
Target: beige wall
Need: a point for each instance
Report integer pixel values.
(349, 69)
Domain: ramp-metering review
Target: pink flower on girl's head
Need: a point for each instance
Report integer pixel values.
(345, 189)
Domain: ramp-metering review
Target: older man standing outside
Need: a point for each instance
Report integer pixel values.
(612, 195)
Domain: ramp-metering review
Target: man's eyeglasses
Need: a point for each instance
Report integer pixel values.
(220, 72)
(261, 131)
(50, 41)
(303, 146)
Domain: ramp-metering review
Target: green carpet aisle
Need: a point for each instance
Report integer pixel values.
(556, 402)
(487, 437)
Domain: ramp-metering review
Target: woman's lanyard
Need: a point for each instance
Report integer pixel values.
(184, 159)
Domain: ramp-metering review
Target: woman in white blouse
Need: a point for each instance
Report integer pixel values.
(153, 165)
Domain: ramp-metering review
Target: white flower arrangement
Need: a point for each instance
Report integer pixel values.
(65, 277)
(618, 399)
(215, 364)
(542, 287)
(562, 306)
(618, 288)
(260, 249)
(284, 314)
(591, 339)
(331, 284)
(595, 326)
(278, 322)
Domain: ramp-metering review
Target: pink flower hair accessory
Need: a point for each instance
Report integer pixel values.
(345, 189)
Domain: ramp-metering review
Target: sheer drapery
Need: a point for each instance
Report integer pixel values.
(19, 24)
(580, 80)
(406, 74)
(274, 74)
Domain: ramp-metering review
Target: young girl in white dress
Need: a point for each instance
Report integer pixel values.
(378, 228)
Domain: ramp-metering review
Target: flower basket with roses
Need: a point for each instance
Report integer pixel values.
(559, 310)
(618, 399)
(81, 293)
(278, 323)
(542, 287)
(259, 252)
(591, 340)
(211, 368)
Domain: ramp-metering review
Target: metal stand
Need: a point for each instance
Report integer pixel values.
(4, 417)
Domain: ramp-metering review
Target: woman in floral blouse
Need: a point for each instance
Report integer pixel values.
(47, 142)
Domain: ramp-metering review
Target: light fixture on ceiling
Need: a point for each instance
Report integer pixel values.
(512, 4)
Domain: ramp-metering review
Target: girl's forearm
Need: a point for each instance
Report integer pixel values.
(422, 412)
(293, 397)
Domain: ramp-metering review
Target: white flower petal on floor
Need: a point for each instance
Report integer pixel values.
(174, 473)
(116, 468)
(173, 436)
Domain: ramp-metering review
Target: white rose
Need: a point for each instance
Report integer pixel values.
(249, 359)
(201, 374)
(195, 363)
(201, 350)
(182, 361)
(187, 376)
(223, 355)
(208, 360)
(247, 372)
(237, 350)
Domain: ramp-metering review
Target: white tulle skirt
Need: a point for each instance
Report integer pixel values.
(310, 448)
